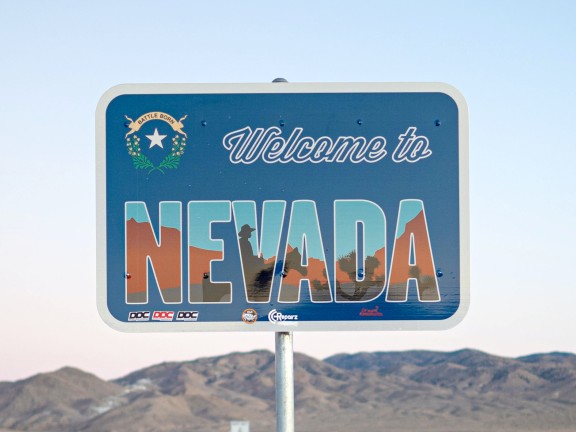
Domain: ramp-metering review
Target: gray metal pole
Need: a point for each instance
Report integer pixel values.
(284, 382)
(284, 372)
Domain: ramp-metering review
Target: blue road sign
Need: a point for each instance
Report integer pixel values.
(282, 207)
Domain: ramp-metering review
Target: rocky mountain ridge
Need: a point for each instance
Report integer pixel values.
(464, 390)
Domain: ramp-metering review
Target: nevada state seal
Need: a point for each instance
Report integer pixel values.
(155, 156)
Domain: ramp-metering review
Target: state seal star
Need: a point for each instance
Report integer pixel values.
(156, 139)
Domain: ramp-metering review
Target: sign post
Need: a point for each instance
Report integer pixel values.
(282, 207)
(284, 382)
(284, 371)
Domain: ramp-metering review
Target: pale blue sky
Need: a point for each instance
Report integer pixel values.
(514, 63)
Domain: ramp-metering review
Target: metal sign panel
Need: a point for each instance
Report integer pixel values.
(282, 207)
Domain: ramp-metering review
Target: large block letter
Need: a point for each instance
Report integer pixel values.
(304, 259)
(143, 248)
(258, 253)
(412, 256)
(203, 249)
(360, 264)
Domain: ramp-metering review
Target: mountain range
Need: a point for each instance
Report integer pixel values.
(466, 391)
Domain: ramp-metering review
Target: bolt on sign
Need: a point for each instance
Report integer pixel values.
(282, 207)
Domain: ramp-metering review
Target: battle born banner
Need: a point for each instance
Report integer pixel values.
(282, 207)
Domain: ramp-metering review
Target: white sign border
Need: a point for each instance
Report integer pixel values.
(280, 88)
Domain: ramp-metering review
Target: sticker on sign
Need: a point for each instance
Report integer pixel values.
(318, 206)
